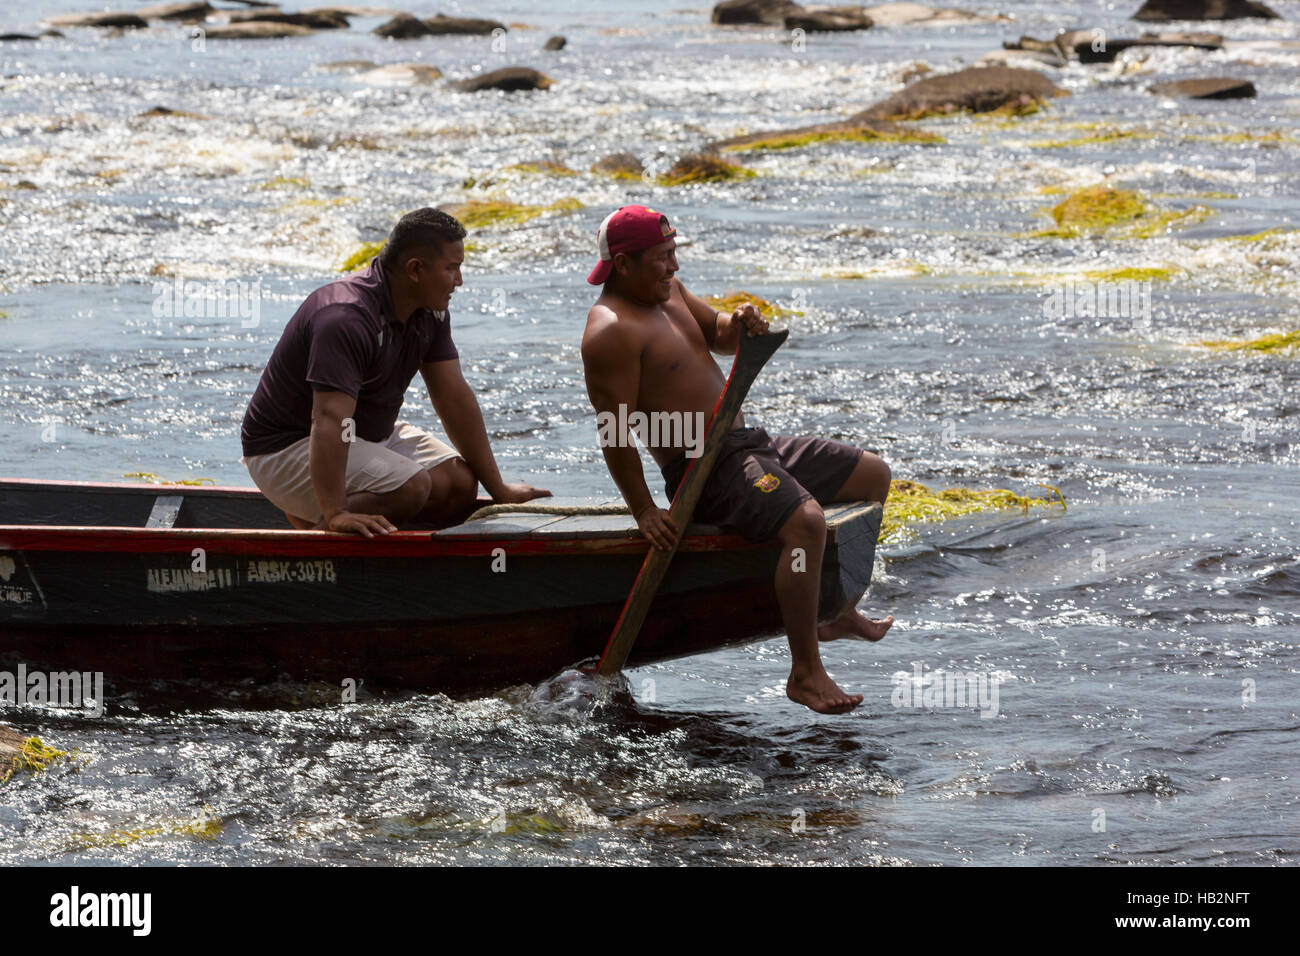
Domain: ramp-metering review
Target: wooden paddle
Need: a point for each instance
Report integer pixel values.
(751, 355)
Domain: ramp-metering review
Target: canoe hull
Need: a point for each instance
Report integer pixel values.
(504, 601)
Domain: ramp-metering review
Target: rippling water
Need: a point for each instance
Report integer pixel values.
(1144, 642)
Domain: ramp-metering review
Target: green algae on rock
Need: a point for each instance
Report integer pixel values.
(619, 166)
(1282, 341)
(206, 825)
(1131, 274)
(703, 168)
(1100, 136)
(486, 213)
(734, 299)
(1262, 235)
(1098, 209)
(362, 256)
(829, 133)
(911, 502)
(24, 753)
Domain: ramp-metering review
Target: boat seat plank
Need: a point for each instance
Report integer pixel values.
(166, 509)
(501, 526)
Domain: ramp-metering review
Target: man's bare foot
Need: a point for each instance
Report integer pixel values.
(818, 692)
(853, 624)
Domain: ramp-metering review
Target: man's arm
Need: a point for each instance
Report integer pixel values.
(722, 331)
(611, 360)
(462, 419)
(327, 462)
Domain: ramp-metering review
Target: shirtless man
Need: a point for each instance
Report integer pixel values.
(646, 348)
(321, 437)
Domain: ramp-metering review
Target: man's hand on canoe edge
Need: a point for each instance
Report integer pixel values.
(349, 522)
(658, 526)
(517, 494)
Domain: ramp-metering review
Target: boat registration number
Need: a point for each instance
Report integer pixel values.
(239, 573)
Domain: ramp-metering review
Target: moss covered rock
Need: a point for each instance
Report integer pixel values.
(979, 89)
(703, 168)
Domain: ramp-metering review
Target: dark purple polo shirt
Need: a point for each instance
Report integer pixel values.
(344, 338)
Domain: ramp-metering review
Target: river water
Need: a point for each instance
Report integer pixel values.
(1143, 643)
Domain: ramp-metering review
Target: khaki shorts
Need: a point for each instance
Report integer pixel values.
(379, 467)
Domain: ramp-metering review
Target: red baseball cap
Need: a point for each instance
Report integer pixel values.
(628, 229)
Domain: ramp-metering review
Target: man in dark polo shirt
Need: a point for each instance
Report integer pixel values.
(321, 437)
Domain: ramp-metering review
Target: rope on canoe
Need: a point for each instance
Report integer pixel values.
(489, 510)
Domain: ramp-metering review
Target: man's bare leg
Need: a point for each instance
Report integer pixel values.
(869, 481)
(400, 504)
(453, 494)
(797, 593)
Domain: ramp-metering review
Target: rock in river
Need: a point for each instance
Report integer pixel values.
(1203, 10)
(740, 12)
(129, 20)
(1206, 88)
(510, 79)
(473, 26)
(258, 30)
(404, 26)
(184, 12)
(829, 20)
(978, 89)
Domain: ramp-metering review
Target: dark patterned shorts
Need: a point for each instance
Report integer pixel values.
(758, 481)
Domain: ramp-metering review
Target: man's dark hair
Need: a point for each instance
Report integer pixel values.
(634, 256)
(423, 227)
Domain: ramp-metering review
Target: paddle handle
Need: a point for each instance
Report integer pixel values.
(751, 354)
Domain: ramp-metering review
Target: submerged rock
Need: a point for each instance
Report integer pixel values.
(258, 30)
(164, 111)
(1203, 10)
(472, 26)
(316, 21)
(582, 692)
(741, 12)
(510, 79)
(14, 37)
(349, 66)
(863, 131)
(404, 26)
(1009, 55)
(1031, 45)
(980, 89)
(555, 43)
(1206, 88)
(401, 74)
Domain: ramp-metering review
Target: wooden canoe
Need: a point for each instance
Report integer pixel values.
(162, 582)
